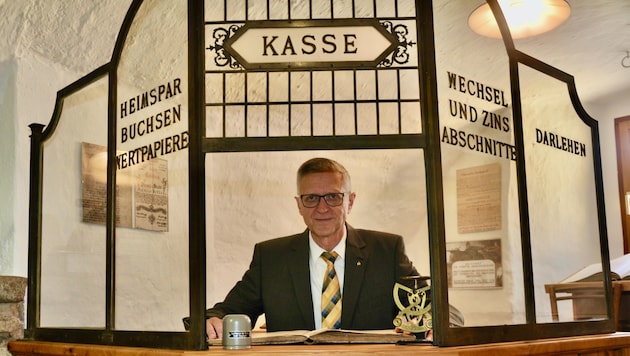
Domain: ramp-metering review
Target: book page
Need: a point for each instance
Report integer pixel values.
(275, 337)
(341, 336)
(323, 336)
(583, 273)
(371, 332)
(311, 333)
(621, 266)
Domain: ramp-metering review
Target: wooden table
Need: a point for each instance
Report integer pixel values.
(589, 300)
(605, 344)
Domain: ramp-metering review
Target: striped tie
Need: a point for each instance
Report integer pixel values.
(331, 294)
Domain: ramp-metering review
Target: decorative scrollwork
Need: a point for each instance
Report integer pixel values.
(401, 54)
(222, 58)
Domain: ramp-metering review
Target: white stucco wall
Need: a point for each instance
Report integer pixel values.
(7, 156)
(24, 100)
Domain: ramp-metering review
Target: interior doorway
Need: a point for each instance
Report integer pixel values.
(622, 134)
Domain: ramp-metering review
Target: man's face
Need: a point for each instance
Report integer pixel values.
(324, 221)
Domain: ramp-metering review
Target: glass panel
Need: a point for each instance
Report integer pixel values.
(482, 224)
(250, 198)
(390, 91)
(73, 199)
(152, 177)
(250, 194)
(562, 200)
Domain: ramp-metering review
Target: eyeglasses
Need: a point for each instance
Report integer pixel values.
(331, 199)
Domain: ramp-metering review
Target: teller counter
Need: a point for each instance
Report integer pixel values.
(592, 345)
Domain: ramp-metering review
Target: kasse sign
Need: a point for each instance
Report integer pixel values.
(349, 43)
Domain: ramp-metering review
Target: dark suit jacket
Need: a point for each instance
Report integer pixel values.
(277, 282)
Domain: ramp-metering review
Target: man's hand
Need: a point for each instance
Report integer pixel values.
(214, 328)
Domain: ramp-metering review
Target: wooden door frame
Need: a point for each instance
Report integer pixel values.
(621, 144)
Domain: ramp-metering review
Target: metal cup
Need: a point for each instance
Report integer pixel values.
(237, 330)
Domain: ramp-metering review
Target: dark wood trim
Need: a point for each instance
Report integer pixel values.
(620, 177)
(196, 176)
(34, 229)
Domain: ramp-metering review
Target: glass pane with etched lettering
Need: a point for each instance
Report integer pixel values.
(481, 214)
(561, 192)
(151, 290)
(346, 75)
(348, 69)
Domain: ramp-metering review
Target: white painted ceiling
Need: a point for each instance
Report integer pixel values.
(80, 35)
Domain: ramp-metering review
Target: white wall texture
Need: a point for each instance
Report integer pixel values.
(7, 181)
(31, 103)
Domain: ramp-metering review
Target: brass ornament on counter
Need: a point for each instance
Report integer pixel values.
(415, 317)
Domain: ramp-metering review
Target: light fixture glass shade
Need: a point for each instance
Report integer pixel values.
(526, 18)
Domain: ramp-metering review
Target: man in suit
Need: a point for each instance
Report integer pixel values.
(286, 276)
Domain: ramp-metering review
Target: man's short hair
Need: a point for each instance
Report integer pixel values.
(324, 165)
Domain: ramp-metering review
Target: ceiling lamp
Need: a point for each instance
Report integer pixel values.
(526, 18)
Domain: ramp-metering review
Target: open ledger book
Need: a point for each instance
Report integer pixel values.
(619, 269)
(325, 336)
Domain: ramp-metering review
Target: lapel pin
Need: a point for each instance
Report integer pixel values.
(359, 263)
